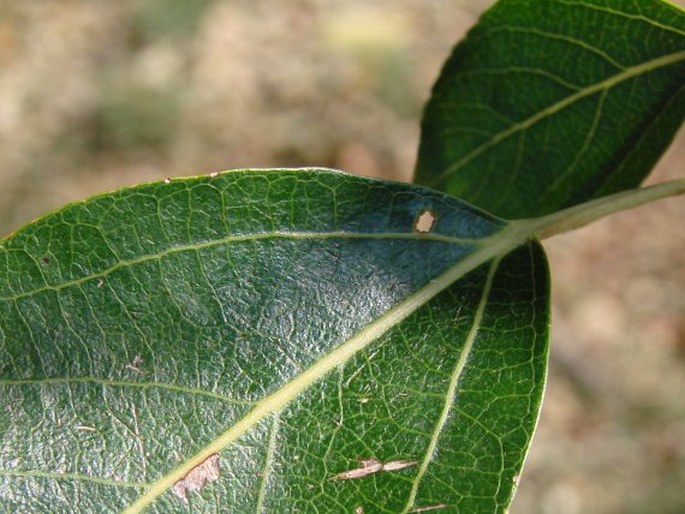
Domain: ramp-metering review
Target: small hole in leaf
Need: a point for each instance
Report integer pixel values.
(424, 221)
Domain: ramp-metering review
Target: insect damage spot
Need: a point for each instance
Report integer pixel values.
(424, 221)
(205, 472)
(135, 365)
(366, 467)
(437, 506)
(359, 510)
(370, 466)
(396, 465)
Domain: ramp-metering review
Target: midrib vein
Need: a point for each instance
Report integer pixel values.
(603, 85)
(311, 236)
(498, 244)
(450, 395)
(513, 234)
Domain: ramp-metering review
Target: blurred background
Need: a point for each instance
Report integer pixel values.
(96, 95)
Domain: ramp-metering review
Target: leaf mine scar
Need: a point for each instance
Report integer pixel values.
(371, 466)
(207, 471)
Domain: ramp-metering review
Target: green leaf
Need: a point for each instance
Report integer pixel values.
(549, 103)
(290, 322)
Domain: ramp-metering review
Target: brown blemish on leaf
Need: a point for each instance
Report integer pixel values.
(429, 507)
(205, 472)
(424, 221)
(45, 260)
(396, 465)
(135, 365)
(366, 467)
(371, 466)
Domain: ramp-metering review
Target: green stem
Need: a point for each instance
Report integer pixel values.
(585, 213)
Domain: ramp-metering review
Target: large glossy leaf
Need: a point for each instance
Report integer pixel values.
(292, 323)
(548, 103)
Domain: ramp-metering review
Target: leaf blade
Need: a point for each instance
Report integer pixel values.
(544, 104)
(220, 328)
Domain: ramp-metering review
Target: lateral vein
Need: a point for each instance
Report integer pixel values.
(268, 463)
(53, 475)
(450, 396)
(312, 236)
(499, 244)
(124, 383)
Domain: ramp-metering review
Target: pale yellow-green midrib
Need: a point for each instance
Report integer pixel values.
(277, 400)
(514, 234)
(603, 85)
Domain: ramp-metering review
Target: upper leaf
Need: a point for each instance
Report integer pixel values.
(548, 103)
(281, 325)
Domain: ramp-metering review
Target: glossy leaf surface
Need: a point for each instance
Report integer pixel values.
(292, 322)
(549, 103)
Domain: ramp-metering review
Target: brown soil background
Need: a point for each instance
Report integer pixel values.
(98, 95)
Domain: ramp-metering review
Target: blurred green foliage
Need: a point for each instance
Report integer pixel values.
(135, 117)
(174, 18)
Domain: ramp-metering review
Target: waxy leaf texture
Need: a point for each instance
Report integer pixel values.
(248, 341)
(550, 103)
